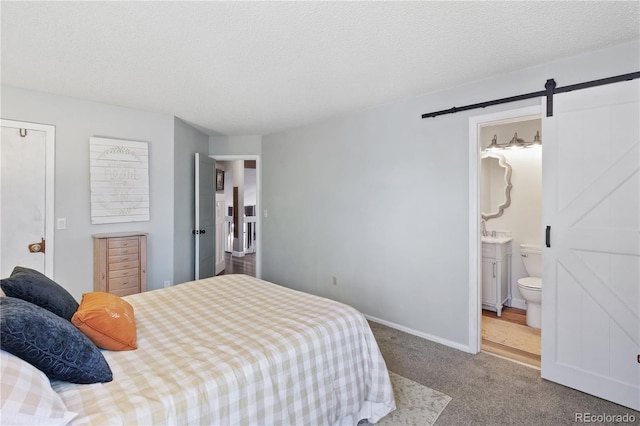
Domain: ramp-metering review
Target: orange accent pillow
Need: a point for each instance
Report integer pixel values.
(107, 320)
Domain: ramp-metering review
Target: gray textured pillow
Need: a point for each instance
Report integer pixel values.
(50, 343)
(32, 286)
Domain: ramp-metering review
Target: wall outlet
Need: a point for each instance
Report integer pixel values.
(167, 283)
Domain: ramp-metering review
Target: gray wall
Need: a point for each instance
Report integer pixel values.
(380, 198)
(76, 121)
(188, 141)
(235, 145)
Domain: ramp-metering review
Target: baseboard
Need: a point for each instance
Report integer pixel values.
(518, 303)
(237, 253)
(450, 343)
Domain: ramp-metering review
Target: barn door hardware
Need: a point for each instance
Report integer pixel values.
(550, 90)
(548, 236)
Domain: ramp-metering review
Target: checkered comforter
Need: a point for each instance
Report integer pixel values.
(235, 350)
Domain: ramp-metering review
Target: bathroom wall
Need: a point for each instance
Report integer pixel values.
(524, 216)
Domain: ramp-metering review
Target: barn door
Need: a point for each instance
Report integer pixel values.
(591, 271)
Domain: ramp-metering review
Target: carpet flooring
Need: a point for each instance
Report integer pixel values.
(485, 389)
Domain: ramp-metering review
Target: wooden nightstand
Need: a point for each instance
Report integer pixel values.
(120, 262)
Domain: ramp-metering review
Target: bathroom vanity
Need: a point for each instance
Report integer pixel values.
(496, 272)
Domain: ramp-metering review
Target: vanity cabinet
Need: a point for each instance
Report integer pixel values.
(496, 274)
(120, 263)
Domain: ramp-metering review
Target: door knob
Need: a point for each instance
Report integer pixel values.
(37, 247)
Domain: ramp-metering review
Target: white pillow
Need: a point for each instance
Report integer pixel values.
(26, 396)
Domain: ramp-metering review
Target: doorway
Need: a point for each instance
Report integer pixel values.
(27, 154)
(511, 211)
(591, 169)
(476, 124)
(245, 256)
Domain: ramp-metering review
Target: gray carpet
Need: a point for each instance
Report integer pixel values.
(487, 390)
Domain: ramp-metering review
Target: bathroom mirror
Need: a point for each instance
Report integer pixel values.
(495, 185)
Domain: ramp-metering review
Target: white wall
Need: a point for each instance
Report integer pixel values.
(76, 121)
(188, 141)
(523, 218)
(341, 197)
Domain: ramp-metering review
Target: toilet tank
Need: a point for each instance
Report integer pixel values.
(532, 258)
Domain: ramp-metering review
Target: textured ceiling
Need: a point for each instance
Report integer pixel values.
(260, 67)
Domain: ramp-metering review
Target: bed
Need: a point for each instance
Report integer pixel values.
(236, 350)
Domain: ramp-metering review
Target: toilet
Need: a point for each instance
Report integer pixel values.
(531, 287)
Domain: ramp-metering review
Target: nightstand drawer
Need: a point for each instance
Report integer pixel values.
(122, 265)
(125, 292)
(123, 242)
(123, 258)
(122, 251)
(122, 283)
(121, 273)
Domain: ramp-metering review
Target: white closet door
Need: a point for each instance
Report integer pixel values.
(26, 196)
(591, 272)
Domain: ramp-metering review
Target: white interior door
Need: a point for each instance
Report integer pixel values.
(220, 235)
(591, 271)
(204, 220)
(26, 200)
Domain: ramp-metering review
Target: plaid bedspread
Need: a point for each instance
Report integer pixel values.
(236, 350)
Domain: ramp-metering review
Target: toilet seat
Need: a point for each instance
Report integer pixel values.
(534, 283)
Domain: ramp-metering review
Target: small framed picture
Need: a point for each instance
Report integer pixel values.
(219, 180)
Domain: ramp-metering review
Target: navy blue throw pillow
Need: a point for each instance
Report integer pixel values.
(35, 287)
(51, 344)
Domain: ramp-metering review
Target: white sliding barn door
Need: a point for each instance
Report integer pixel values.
(204, 220)
(591, 272)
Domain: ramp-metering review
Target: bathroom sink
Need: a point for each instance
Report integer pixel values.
(499, 239)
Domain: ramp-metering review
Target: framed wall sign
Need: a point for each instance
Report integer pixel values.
(119, 180)
(219, 180)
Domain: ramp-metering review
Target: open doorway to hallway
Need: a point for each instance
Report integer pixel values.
(240, 265)
(239, 230)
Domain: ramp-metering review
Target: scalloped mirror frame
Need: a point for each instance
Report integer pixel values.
(502, 162)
